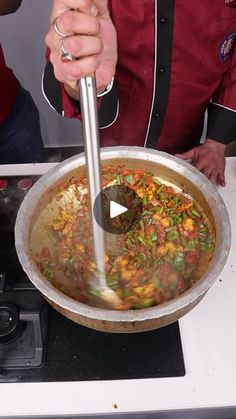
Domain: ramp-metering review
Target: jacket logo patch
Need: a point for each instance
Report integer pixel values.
(227, 46)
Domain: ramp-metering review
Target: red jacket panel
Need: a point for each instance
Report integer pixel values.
(8, 89)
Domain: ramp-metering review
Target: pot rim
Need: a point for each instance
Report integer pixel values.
(216, 265)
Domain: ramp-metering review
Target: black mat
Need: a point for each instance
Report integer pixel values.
(75, 353)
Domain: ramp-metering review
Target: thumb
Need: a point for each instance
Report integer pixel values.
(188, 155)
(102, 5)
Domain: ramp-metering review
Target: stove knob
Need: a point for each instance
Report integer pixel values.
(24, 185)
(4, 196)
(3, 184)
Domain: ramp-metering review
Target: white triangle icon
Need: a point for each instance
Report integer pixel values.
(116, 209)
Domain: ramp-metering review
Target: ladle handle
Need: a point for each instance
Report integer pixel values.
(88, 101)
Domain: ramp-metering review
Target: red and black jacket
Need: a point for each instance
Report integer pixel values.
(9, 87)
(176, 59)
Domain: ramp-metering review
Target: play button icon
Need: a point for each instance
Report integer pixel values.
(121, 209)
(116, 209)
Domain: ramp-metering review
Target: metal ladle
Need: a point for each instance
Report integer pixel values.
(88, 102)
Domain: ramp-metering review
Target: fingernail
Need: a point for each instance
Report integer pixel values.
(94, 11)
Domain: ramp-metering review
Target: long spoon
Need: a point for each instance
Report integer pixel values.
(88, 101)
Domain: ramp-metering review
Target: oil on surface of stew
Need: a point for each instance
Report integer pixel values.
(157, 260)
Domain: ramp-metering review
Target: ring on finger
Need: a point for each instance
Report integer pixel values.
(57, 30)
(66, 56)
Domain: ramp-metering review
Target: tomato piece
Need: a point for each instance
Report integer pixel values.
(191, 257)
(138, 175)
(45, 252)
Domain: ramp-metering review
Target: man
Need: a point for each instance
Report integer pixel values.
(176, 60)
(20, 136)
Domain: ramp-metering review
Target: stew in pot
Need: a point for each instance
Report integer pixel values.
(164, 255)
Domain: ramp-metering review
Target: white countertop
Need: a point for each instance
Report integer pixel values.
(209, 343)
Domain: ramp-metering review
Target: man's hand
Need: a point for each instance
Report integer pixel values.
(209, 158)
(90, 38)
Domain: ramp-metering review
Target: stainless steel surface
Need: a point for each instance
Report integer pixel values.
(88, 101)
(170, 168)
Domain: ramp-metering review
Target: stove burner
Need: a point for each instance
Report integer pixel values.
(37, 344)
(10, 325)
(24, 323)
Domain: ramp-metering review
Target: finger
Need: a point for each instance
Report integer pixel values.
(221, 171)
(72, 71)
(72, 22)
(83, 46)
(102, 7)
(188, 155)
(84, 6)
(213, 176)
(210, 168)
(200, 164)
(221, 177)
(221, 180)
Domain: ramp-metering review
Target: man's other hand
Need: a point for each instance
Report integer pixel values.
(209, 158)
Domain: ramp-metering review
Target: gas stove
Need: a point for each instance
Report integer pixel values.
(208, 339)
(37, 344)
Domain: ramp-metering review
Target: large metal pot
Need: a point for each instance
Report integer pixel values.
(168, 167)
